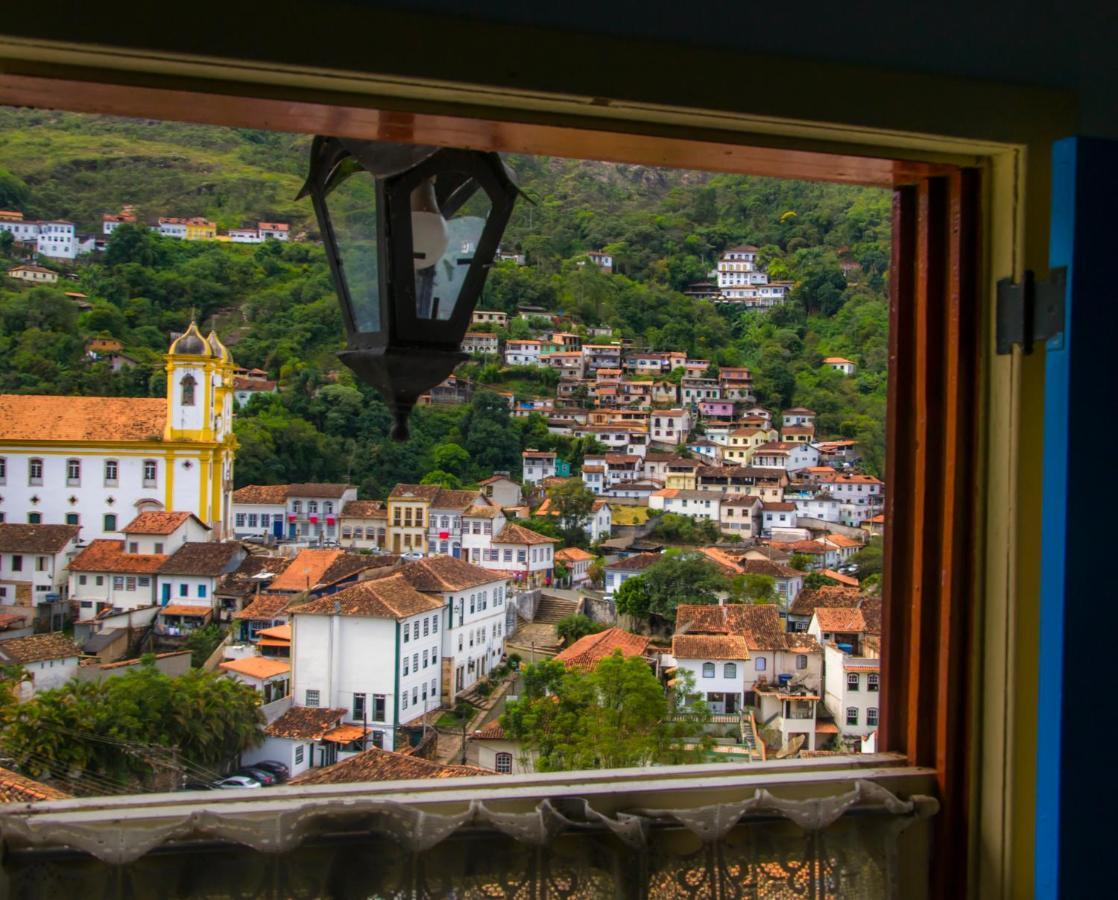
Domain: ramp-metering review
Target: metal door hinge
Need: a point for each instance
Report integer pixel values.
(1030, 311)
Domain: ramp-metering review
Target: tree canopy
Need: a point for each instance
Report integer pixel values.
(614, 716)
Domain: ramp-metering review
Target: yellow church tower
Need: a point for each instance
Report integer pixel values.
(200, 421)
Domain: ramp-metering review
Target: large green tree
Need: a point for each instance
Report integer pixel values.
(614, 716)
(678, 577)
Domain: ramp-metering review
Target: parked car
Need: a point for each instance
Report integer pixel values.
(412, 555)
(277, 768)
(265, 777)
(237, 781)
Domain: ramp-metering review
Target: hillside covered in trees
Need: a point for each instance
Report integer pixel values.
(274, 304)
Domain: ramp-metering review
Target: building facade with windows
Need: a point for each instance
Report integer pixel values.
(33, 561)
(349, 653)
(98, 461)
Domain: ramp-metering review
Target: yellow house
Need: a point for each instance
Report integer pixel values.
(681, 476)
(198, 229)
(743, 442)
(408, 507)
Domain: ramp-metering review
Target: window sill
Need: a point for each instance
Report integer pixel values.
(810, 793)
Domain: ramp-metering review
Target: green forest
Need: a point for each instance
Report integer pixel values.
(273, 304)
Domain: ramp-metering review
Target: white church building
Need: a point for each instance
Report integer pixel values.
(97, 462)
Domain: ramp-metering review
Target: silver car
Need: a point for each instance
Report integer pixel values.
(237, 781)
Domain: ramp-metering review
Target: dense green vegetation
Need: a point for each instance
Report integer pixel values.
(274, 306)
(614, 716)
(121, 733)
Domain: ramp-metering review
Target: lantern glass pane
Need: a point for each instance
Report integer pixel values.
(437, 287)
(353, 215)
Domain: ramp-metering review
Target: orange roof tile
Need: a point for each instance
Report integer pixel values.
(518, 534)
(269, 494)
(74, 419)
(572, 554)
(709, 646)
(159, 522)
(16, 788)
(840, 619)
(588, 651)
(184, 609)
(305, 571)
(104, 555)
(346, 734)
(840, 578)
(257, 666)
(392, 597)
(278, 633)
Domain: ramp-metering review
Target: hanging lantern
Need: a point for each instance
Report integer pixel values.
(410, 233)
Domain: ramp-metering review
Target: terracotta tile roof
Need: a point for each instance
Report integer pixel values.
(807, 601)
(538, 454)
(572, 554)
(104, 555)
(349, 564)
(265, 607)
(840, 619)
(384, 765)
(306, 723)
(365, 509)
(491, 731)
(797, 429)
(264, 494)
(482, 512)
(38, 647)
(778, 507)
(159, 522)
(318, 490)
(250, 574)
(635, 563)
(709, 646)
(276, 633)
(16, 538)
(841, 540)
(16, 788)
(435, 574)
(383, 598)
(210, 559)
(493, 479)
(770, 568)
(799, 411)
(186, 609)
(305, 570)
(518, 534)
(253, 384)
(728, 564)
(75, 419)
(257, 666)
(871, 612)
(846, 580)
(588, 651)
(759, 624)
(414, 492)
(346, 734)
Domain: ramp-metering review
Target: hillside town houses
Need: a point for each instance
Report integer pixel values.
(356, 618)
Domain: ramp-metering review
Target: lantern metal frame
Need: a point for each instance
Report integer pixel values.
(408, 355)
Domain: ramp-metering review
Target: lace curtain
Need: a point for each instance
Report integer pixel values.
(765, 847)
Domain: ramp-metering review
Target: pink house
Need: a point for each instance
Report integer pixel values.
(717, 409)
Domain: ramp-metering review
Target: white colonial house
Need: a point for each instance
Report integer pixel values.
(740, 514)
(696, 504)
(526, 555)
(621, 570)
(502, 491)
(852, 670)
(841, 364)
(522, 353)
(479, 524)
(191, 573)
(777, 515)
(538, 464)
(480, 342)
(260, 511)
(577, 562)
(33, 561)
(104, 576)
(164, 532)
(474, 598)
(49, 659)
(669, 426)
(349, 653)
(716, 663)
(33, 274)
(98, 461)
(57, 240)
(798, 415)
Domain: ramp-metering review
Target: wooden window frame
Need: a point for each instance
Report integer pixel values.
(939, 332)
